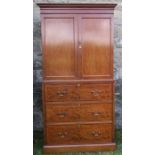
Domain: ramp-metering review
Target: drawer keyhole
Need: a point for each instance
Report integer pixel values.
(78, 125)
(78, 85)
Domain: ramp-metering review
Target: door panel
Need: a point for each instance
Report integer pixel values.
(60, 46)
(96, 52)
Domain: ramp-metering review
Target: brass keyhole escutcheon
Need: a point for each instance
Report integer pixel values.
(78, 125)
(78, 85)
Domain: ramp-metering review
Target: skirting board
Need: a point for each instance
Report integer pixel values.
(79, 148)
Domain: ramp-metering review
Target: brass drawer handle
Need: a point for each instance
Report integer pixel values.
(62, 134)
(95, 134)
(61, 114)
(96, 92)
(96, 113)
(62, 93)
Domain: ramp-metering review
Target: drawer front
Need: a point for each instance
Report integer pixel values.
(60, 113)
(62, 134)
(59, 93)
(79, 134)
(78, 92)
(96, 112)
(96, 133)
(96, 92)
(78, 112)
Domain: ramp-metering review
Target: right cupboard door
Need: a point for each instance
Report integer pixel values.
(95, 46)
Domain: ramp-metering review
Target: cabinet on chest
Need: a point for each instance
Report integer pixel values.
(78, 84)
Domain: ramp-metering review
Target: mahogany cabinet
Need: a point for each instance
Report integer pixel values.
(78, 83)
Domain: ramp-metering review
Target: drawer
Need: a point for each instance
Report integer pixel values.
(62, 113)
(78, 92)
(96, 112)
(62, 134)
(96, 92)
(78, 134)
(59, 93)
(96, 133)
(78, 112)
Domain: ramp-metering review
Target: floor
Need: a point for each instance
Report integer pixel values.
(38, 143)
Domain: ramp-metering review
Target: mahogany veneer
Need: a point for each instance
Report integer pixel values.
(78, 84)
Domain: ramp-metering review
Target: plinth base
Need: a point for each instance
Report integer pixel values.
(79, 148)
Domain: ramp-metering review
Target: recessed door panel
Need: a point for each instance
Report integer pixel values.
(95, 45)
(60, 52)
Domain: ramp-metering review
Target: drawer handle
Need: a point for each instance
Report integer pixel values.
(95, 134)
(62, 114)
(96, 113)
(96, 92)
(62, 134)
(61, 93)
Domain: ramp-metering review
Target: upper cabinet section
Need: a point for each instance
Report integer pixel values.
(77, 41)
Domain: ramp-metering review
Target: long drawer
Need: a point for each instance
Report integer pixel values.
(79, 112)
(78, 134)
(78, 92)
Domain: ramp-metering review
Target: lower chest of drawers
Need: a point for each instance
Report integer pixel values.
(78, 113)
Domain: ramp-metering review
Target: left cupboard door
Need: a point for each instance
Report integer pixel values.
(59, 39)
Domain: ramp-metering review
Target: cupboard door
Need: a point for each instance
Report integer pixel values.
(59, 37)
(95, 46)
